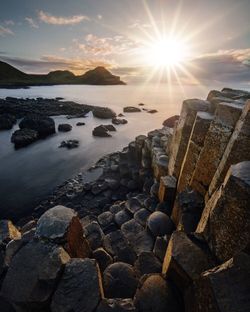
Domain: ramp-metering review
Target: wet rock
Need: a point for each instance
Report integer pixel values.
(115, 208)
(184, 260)
(119, 121)
(78, 124)
(8, 231)
(62, 225)
(133, 205)
(141, 216)
(155, 294)
(64, 127)
(42, 124)
(106, 221)
(101, 131)
(122, 217)
(131, 109)
(117, 245)
(104, 113)
(160, 224)
(160, 247)
(152, 111)
(119, 281)
(69, 144)
(147, 263)
(79, 289)
(103, 258)
(24, 137)
(7, 121)
(40, 264)
(171, 121)
(116, 305)
(94, 235)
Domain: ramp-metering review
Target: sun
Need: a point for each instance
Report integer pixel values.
(166, 52)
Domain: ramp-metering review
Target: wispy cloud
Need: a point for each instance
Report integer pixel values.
(31, 22)
(61, 20)
(4, 31)
(9, 22)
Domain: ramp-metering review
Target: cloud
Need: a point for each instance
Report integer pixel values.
(4, 31)
(99, 16)
(31, 22)
(9, 22)
(60, 20)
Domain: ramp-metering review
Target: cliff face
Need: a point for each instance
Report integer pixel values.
(12, 77)
(164, 226)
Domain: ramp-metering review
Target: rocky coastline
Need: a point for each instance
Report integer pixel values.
(163, 225)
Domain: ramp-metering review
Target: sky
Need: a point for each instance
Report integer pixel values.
(123, 35)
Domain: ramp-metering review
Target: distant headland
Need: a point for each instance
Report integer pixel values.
(11, 77)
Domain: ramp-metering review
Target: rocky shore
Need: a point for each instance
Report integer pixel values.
(163, 225)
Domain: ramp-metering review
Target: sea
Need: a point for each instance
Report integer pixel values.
(29, 175)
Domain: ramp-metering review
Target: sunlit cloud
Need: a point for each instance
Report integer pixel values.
(4, 31)
(61, 20)
(31, 22)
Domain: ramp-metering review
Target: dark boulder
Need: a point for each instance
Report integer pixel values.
(80, 124)
(7, 121)
(131, 109)
(79, 289)
(42, 124)
(147, 263)
(102, 131)
(103, 113)
(103, 258)
(120, 281)
(119, 121)
(33, 275)
(160, 224)
(24, 137)
(64, 127)
(69, 144)
(155, 294)
(170, 122)
(152, 111)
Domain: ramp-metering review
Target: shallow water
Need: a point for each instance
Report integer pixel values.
(29, 174)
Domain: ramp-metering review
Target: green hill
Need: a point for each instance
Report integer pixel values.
(12, 77)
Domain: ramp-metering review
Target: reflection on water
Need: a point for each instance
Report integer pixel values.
(29, 174)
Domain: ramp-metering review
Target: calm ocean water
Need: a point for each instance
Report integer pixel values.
(29, 174)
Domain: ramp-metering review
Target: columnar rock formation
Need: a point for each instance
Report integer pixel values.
(165, 226)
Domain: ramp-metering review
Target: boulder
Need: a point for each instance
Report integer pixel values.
(171, 121)
(117, 245)
(80, 287)
(160, 224)
(122, 217)
(78, 124)
(104, 113)
(119, 121)
(147, 263)
(42, 124)
(141, 216)
(224, 288)
(106, 221)
(33, 275)
(24, 137)
(64, 127)
(152, 111)
(94, 234)
(185, 260)
(116, 305)
(119, 281)
(7, 121)
(155, 294)
(133, 205)
(131, 109)
(103, 258)
(101, 131)
(62, 225)
(8, 231)
(69, 144)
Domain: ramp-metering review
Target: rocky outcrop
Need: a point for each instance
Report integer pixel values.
(7, 121)
(104, 113)
(165, 222)
(64, 127)
(43, 125)
(24, 137)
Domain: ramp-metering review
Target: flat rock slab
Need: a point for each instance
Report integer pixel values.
(120, 281)
(33, 274)
(80, 288)
(184, 260)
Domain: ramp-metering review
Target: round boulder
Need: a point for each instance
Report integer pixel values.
(101, 131)
(64, 127)
(170, 122)
(104, 113)
(120, 281)
(131, 109)
(160, 224)
(24, 137)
